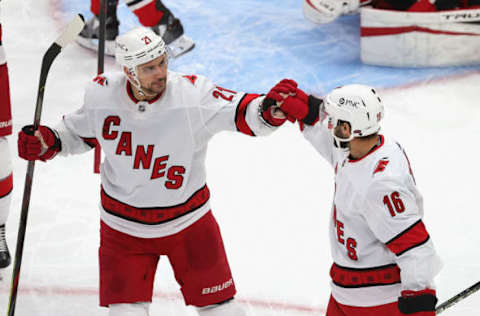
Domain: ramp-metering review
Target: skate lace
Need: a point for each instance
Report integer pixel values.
(3, 242)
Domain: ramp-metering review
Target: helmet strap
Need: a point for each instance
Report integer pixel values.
(133, 78)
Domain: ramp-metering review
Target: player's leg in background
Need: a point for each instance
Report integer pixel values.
(90, 33)
(154, 14)
(6, 173)
(150, 13)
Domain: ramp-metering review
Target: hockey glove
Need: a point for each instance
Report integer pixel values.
(42, 144)
(274, 98)
(302, 107)
(418, 303)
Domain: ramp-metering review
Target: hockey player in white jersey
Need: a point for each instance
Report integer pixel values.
(153, 126)
(384, 259)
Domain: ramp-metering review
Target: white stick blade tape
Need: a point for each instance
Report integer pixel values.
(71, 31)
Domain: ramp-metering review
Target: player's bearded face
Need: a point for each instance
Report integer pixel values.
(153, 75)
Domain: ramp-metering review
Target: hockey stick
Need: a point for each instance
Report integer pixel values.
(100, 63)
(457, 298)
(67, 36)
(101, 36)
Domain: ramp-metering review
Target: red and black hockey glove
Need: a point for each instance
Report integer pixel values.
(278, 94)
(43, 145)
(418, 303)
(304, 108)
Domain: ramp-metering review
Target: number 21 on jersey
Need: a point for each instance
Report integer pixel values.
(223, 93)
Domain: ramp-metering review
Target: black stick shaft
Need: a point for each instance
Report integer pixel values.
(100, 69)
(101, 37)
(457, 298)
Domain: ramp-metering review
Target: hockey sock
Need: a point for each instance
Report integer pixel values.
(149, 12)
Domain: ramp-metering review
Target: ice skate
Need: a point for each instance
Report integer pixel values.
(88, 38)
(4, 253)
(172, 33)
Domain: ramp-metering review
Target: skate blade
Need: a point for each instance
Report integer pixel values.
(181, 46)
(92, 44)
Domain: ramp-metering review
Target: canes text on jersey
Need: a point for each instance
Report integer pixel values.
(350, 243)
(143, 158)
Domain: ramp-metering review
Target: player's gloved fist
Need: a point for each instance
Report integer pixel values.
(42, 144)
(418, 303)
(282, 89)
(302, 107)
(274, 98)
(294, 108)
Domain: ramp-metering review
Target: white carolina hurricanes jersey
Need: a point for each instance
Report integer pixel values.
(379, 243)
(153, 174)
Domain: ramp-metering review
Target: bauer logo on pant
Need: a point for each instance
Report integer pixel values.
(217, 288)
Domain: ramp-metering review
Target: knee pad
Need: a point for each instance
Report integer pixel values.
(132, 309)
(230, 308)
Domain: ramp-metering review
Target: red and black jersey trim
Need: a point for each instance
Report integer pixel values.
(412, 237)
(154, 215)
(6, 186)
(90, 141)
(240, 114)
(365, 277)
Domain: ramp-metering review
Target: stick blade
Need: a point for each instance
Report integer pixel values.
(71, 31)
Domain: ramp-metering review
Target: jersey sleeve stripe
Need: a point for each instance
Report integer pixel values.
(240, 114)
(6, 186)
(414, 236)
